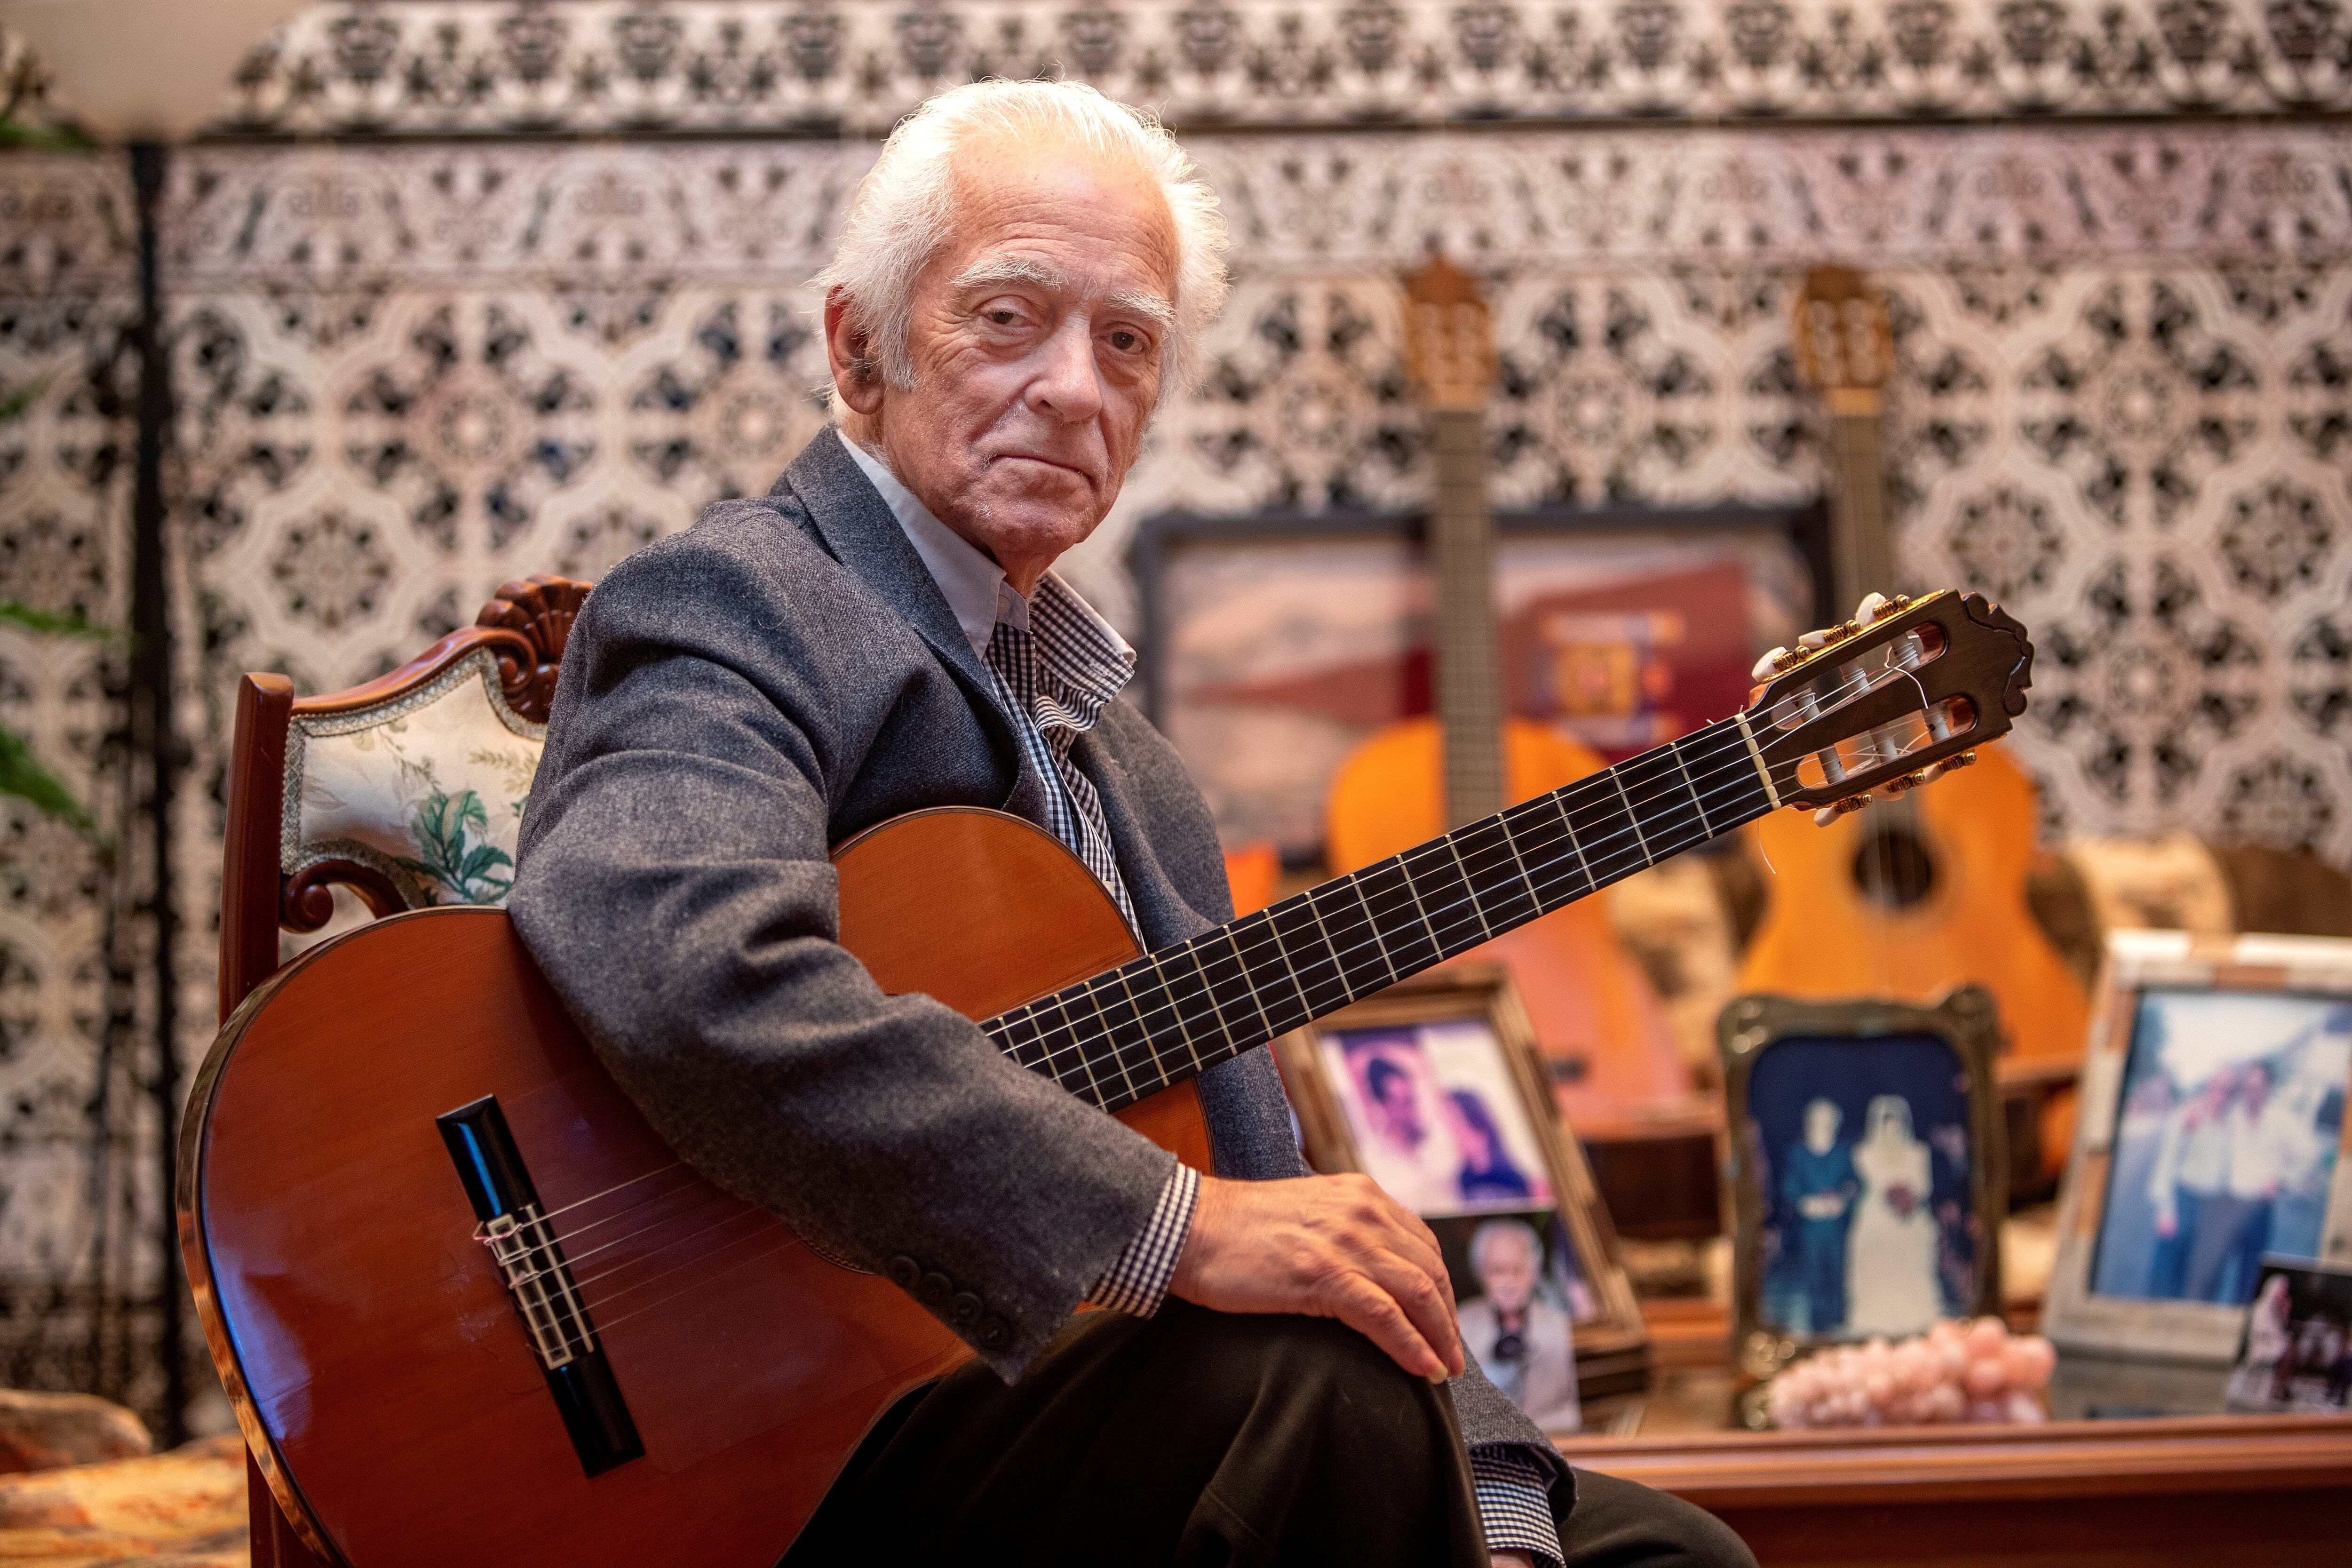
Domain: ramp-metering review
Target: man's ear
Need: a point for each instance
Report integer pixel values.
(849, 350)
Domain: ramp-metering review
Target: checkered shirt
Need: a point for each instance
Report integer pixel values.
(1057, 663)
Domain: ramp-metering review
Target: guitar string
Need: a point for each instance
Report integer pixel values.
(1173, 1005)
(1609, 846)
(541, 1249)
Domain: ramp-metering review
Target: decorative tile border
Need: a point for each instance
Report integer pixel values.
(840, 67)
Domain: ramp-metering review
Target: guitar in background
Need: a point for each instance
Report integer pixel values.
(1597, 1018)
(1920, 892)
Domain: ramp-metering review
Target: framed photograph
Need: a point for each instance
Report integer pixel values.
(2297, 1354)
(1869, 1171)
(2212, 1133)
(1432, 1088)
(1273, 645)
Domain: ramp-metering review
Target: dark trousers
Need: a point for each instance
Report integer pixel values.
(1822, 1247)
(1199, 1438)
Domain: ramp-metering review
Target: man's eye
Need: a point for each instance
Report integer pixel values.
(1125, 342)
(1003, 317)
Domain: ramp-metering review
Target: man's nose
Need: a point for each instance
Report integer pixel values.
(1065, 386)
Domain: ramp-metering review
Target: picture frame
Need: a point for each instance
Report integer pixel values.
(1890, 1218)
(1270, 645)
(2200, 1043)
(1467, 1023)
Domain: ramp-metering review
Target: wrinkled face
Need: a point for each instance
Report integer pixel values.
(1038, 335)
(1507, 1269)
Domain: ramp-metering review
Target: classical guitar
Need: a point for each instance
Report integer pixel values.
(469, 1309)
(1919, 893)
(1596, 1016)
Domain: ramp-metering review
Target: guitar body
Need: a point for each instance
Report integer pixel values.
(1834, 930)
(1592, 1007)
(381, 1373)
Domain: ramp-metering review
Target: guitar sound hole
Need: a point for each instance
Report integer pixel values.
(1894, 868)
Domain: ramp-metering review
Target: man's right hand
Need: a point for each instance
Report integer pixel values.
(1324, 1246)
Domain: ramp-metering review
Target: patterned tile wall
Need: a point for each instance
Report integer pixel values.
(824, 67)
(408, 370)
(81, 1197)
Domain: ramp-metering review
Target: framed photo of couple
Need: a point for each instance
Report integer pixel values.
(2210, 1144)
(1869, 1169)
(1434, 1089)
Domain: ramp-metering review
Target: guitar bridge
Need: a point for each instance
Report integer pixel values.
(539, 1281)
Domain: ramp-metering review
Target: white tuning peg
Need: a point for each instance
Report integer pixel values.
(1768, 666)
(1867, 611)
(1811, 641)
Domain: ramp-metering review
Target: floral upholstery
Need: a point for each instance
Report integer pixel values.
(427, 788)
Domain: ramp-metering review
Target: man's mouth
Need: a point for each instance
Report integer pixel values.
(1044, 462)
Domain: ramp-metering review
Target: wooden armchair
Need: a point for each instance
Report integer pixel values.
(408, 791)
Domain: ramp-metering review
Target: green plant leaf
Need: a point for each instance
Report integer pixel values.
(14, 404)
(23, 776)
(50, 623)
(43, 138)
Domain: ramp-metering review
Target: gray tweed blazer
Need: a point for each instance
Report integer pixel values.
(735, 699)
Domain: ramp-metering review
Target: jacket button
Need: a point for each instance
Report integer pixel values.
(936, 1289)
(995, 1334)
(903, 1271)
(965, 1310)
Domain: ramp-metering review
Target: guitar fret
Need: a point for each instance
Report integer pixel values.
(1256, 1000)
(1631, 820)
(1676, 748)
(1372, 925)
(1118, 1052)
(1302, 936)
(1451, 914)
(1560, 798)
(1486, 932)
(1184, 1031)
(1167, 1016)
(1404, 958)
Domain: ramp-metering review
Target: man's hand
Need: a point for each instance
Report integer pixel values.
(1515, 1558)
(1324, 1246)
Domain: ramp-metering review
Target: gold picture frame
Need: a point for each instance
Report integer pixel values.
(2104, 1297)
(1748, 1030)
(1612, 1343)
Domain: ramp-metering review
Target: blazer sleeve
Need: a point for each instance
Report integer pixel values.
(675, 885)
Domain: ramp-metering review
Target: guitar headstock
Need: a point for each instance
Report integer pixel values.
(1842, 339)
(1883, 699)
(1449, 336)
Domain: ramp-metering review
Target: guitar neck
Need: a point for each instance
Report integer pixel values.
(1170, 1015)
(1859, 556)
(1468, 684)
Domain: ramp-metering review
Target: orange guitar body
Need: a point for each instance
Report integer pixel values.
(382, 1374)
(1825, 934)
(1590, 1002)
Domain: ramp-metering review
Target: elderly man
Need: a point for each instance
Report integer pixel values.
(1020, 278)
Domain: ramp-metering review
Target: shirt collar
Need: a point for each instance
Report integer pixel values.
(972, 584)
(1093, 658)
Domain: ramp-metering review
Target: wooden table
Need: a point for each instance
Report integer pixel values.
(2246, 1490)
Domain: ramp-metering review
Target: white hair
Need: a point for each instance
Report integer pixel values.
(901, 214)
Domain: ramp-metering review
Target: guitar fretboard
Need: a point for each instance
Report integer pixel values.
(1170, 1015)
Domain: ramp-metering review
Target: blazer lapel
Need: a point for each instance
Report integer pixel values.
(857, 528)
(1163, 912)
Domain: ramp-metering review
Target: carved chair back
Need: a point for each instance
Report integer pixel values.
(407, 790)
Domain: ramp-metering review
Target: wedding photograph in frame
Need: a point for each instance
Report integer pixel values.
(1432, 1087)
(2210, 1143)
(1868, 1171)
